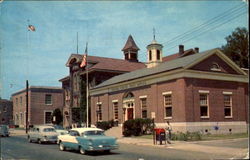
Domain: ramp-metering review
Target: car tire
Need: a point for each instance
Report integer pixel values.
(61, 147)
(39, 141)
(106, 151)
(29, 140)
(82, 151)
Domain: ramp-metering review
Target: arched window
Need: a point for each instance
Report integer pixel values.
(128, 95)
(215, 67)
(158, 54)
(150, 55)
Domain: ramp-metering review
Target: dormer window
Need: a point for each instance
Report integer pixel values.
(215, 67)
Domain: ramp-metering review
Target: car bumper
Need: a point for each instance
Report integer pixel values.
(49, 140)
(102, 147)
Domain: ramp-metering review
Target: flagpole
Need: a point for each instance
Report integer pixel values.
(87, 86)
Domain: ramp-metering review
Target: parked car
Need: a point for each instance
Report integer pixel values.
(42, 134)
(4, 131)
(60, 130)
(87, 139)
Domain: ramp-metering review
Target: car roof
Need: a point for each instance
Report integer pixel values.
(81, 130)
(44, 126)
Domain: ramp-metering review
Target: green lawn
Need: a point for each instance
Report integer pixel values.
(208, 137)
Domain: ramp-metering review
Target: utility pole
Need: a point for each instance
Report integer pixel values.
(27, 105)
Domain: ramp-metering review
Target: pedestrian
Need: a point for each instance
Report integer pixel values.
(168, 132)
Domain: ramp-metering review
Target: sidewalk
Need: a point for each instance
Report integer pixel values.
(17, 132)
(196, 146)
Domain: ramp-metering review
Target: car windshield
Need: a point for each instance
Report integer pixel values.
(93, 133)
(58, 127)
(48, 130)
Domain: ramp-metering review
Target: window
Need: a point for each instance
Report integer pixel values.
(144, 108)
(158, 54)
(5, 109)
(215, 67)
(228, 106)
(204, 105)
(168, 105)
(150, 55)
(21, 118)
(48, 99)
(48, 117)
(115, 106)
(16, 102)
(21, 100)
(99, 112)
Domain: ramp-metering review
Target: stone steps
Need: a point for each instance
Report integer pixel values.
(115, 132)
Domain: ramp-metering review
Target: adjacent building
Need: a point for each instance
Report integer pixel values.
(99, 69)
(194, 91)
(6, 110)
(42, 101)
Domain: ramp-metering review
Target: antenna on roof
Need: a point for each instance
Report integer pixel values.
(154, 33)
(76, 42)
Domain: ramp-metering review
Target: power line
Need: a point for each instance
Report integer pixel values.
(209, 22)
(228, 20)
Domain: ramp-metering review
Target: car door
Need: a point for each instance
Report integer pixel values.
(70, 140)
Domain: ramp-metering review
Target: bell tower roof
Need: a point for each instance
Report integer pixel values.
(130, 44)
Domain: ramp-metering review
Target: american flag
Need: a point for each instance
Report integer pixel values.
(84, 61)
(31, 28)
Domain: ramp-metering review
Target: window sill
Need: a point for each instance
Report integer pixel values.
(48, 104)
(167, 117)
(228, 117)
(205, 117)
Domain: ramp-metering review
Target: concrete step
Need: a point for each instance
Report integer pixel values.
(115, 132)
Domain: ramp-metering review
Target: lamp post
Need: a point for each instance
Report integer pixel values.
(124, 110)
(97, 112)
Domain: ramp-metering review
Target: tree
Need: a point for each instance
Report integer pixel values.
(237, 47)
(58, 116)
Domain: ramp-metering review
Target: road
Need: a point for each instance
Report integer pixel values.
(17, 147)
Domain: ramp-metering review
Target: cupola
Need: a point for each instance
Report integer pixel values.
(154, 51)
(130, 50)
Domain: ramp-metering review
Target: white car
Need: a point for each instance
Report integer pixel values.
(60, 130)
(42, 134)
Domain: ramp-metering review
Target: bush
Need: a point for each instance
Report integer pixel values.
(188, 136)
(137, 127)
(105, 125)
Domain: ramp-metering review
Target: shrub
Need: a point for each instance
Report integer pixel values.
(137, 127)
(105, 125)
(188, 136)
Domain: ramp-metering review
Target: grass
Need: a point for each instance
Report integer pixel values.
(208, 136)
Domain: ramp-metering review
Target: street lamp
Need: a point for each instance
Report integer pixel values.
(97, 112)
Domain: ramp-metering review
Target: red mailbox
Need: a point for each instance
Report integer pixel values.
(159, 135)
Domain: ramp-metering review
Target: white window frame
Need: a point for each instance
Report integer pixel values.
(141, 98)
(231, 104)
(44, 117)
(200, 105)
(165, 106)
(51, 99)
(98, 115)
(115, 102)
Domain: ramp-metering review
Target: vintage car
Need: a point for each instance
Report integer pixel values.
(87, 139)
(42, 134)
(4, 130)
(60, 130)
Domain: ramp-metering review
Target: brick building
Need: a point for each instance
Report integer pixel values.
(99, 70)
(42, 101)
(194, 91)
(6, 109)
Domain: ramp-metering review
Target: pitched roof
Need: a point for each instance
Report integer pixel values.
(165, 66)
(130, 44)
(113, 64)
(177, 55)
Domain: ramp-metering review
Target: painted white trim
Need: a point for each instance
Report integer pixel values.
(98, 103)
(114, 101)
(203, 91)
(166, 93)
(141, 97)
(227, 93)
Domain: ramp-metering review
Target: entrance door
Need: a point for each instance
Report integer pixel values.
(130, 112)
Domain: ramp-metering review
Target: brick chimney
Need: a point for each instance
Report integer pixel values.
(181, 49)
(196, 49)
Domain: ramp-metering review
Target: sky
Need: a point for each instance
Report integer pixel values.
(40, 56)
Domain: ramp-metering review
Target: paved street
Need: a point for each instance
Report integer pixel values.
(17, 147)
